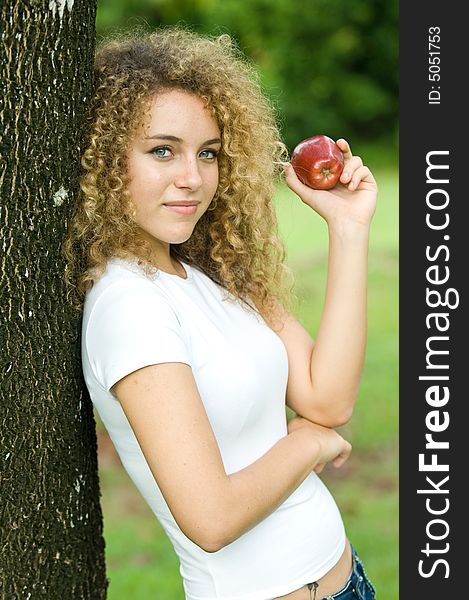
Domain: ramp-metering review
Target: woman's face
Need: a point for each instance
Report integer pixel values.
(173, 168)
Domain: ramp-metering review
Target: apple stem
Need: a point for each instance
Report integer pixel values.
(326, 172)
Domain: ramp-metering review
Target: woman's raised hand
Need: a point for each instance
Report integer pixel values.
(352, 200)
(333, 447)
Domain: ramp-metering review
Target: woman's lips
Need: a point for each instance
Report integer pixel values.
(182, 209)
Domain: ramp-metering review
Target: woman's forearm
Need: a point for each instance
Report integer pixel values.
(213, 507)
(326, 388)
(254, 492)
(257, 490)
(339, 350)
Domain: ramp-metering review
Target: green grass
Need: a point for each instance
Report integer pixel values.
(141, 562)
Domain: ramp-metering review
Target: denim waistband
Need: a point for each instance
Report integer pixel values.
(357, 586)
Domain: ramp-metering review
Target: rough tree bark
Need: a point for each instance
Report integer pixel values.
(51, 522)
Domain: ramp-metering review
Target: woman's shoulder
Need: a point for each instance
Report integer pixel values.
(121, 278)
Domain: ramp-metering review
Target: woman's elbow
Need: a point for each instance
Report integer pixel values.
(211, 545)
(328, 417)
(211, 536)
(341, 411)
(211, 542)
(341, 418)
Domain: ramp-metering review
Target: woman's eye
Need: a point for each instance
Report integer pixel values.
(210, 154)
(161, 151)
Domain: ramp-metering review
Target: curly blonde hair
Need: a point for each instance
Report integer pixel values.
(236, 242)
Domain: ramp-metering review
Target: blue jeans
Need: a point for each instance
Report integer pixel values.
(357, 586)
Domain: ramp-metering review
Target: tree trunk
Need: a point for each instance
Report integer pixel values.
(51, 522)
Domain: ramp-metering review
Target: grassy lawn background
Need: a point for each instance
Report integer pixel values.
(141, 562)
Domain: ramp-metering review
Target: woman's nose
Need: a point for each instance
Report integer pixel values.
(188, 175)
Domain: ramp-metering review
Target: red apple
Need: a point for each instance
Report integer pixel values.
(318, 162)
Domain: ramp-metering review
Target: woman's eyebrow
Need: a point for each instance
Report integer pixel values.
(173, 138)
(162, 136)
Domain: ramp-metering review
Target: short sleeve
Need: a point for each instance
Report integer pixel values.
(130, 327)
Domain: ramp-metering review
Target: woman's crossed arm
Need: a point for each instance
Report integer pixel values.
(212, 508)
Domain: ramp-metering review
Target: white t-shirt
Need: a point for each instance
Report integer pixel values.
(240, 367)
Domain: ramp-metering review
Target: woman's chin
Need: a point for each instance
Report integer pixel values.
(170, 235)
(180, 236)
(180, 239)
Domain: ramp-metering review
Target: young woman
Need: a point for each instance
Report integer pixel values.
(189, 349)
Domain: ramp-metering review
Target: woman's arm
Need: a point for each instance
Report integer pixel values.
(324, 376)
(166, 413)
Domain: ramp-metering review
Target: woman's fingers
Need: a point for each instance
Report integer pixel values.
(343, 456)
(345, 148)
(306, 193)
(354, 170)
(292, 179)
(339, 460)
(351, 166)
(361, 174)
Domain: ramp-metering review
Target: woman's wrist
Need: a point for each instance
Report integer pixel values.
(310, 444)
(353, 231)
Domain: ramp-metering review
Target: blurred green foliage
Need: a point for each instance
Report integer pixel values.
(328, 66)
